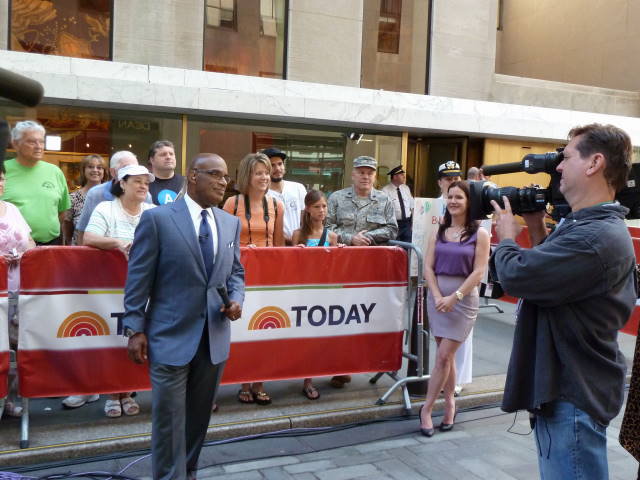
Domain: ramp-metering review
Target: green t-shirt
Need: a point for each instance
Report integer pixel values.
(40, 193)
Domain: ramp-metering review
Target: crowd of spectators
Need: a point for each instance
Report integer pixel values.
(104, 210)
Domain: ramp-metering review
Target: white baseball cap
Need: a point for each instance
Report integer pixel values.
(135, 170)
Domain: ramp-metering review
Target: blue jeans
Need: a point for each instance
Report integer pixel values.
(571, 444)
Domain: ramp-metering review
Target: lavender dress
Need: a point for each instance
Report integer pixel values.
(453, 264)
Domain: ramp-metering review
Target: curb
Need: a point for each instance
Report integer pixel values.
(142, 441)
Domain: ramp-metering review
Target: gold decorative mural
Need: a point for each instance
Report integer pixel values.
(73, 28)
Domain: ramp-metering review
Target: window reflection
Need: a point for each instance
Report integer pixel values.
(394, 45)
(245, 38)
(389, 26)
(73, 28)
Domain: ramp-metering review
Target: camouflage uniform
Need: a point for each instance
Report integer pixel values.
(348, 214)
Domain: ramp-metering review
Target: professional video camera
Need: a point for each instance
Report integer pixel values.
(535, 199)
(19, 89)
(522, 200)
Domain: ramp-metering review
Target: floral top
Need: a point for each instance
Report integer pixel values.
(73, 214)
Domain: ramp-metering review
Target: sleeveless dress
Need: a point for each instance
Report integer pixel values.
(453, 264)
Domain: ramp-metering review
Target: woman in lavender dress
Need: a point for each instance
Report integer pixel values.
(455, 262)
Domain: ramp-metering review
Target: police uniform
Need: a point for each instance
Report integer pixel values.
(349, 214)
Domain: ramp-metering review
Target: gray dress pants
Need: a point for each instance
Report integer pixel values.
(181, 409)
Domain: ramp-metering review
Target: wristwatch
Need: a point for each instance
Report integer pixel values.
(128, 332)
(459, 294)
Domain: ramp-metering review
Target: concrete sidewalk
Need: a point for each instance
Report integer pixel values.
(56, 433)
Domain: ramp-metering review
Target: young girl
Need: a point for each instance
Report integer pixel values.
(313, 233)
(312, 229)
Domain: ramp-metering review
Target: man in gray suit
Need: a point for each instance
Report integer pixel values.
(181, 255)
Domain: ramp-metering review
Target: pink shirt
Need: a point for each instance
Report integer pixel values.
(14, 233)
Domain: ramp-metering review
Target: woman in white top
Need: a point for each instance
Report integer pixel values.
(112, 225)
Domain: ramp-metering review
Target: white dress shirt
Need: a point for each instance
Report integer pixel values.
(391, 190)
(196, 218)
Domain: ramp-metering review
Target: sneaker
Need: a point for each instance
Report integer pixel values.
(457, 390)
(75, 401)
(12, 410)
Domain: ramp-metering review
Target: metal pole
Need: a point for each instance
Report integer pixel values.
(420, 335)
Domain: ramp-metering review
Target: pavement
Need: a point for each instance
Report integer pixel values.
(344, 434)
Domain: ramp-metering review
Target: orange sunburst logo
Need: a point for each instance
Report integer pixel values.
(269, 317)
(81, 324)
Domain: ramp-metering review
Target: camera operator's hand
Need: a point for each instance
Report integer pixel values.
(506, 225)
(535, 224)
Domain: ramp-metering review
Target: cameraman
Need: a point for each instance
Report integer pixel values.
(577, 290)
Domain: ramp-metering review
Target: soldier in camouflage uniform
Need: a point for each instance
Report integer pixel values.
(360, 214)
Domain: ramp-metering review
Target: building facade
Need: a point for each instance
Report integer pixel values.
(412, 81)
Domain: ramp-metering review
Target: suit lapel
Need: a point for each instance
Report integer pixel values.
(182, 218)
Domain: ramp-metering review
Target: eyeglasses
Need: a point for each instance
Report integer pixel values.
(217, 174)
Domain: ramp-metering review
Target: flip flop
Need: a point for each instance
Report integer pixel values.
(339, 381)
(245, 396)
(262, 398)
(311, 392)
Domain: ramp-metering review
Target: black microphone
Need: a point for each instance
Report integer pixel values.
(222, 291)
(20, 89)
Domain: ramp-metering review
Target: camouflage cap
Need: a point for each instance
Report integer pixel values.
(364, 161)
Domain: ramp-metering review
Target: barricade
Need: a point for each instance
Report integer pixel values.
(310, 312)
(4, 334)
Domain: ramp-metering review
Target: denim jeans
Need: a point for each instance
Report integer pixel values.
(571, 444)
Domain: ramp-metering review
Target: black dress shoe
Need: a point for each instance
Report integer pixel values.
(447, 427)
(427, 432)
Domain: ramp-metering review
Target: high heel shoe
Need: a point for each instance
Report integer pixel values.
(427, 432)
(447, 427)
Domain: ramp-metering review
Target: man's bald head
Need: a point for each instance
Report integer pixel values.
(207, 179)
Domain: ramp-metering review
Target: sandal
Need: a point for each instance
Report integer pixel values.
(245, 396)
(311, 392)
(262, 398)
(129, 406)
(339, 381)
(112, 408)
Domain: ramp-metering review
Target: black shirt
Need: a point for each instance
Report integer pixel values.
(166, 190)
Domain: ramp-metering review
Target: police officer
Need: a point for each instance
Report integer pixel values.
(360, 214)
(399, 193)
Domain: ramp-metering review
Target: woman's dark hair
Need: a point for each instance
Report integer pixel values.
(470, 226)
(305, 226)
(2, 169)
(116, 189)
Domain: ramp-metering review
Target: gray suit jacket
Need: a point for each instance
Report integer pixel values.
(167, 295)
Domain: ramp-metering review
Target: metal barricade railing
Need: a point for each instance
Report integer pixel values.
(421, 356)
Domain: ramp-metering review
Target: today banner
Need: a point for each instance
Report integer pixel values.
(4, 330)
(307, 312)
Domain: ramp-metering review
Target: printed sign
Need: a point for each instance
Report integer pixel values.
(309, 312)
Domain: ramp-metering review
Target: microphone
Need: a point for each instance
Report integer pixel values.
(20, 89)
(224, 295)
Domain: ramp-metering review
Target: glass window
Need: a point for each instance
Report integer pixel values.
(394, 45)
(315, 158)
(389, 26)
(82, 131)
(245, 37)
(73, 28)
